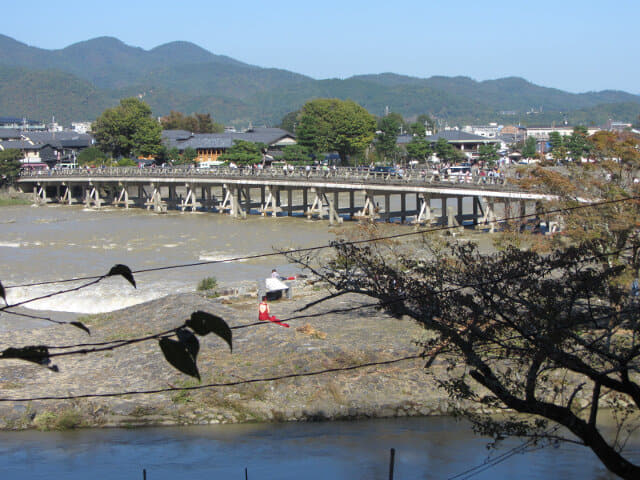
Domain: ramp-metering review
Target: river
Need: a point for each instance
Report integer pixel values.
(60, 242)
(426, 448)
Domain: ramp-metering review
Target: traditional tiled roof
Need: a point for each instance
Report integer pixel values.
(9, 133)
(64, 139)
(21, 145)
(458, 136)
(183, 139)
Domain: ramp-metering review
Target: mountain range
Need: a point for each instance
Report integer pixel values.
(80, 81)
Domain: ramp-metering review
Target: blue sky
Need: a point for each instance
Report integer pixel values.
(572, 45)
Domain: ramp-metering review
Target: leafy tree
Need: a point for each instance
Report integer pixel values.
(127, 128)
(245, 152)
(419, 149)
(173, 154)
(418, 129)
(579, 144)
(536, 333)
(556, 140)
(91, 156)
(328, 125)
(530, 148)
(196, 123)
(127, 162)
(488, 153)
(9, 165)
(447, 152)
(386, 140)
(290, 121)
(188, 156)
(295, 153)
(427, 122)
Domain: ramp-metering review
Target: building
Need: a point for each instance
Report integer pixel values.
(488, 131)
(468, 143)
(541, 133)
(46, 147)
(22, 124)
(209, 146)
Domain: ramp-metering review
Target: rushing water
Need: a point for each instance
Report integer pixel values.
(61, 242)
(426, 448)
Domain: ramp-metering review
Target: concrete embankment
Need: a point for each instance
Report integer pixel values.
(330, 341)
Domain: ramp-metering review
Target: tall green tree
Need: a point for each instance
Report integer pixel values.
(91, 156)
(488, 153)
(128, 128)
(330, 124)
(579, 144)
(290, 121)
(447, 152)
(387, 138)
(419, 149)
(530, 148)
(9, 165)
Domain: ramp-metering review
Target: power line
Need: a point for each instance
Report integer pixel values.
(330, 245)
(218, 385)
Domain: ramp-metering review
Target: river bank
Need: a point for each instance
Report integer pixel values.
(318, 343)
(9, 196)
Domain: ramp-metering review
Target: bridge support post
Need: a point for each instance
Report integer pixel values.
(190, 200)
(403, 207)
(159, 206)
(271, 204)
(92, 196)
(489, 217)
(424, 214)
(66, 196)
(40, 194)
(369, 211)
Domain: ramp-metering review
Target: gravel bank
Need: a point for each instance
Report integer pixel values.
(312, 344)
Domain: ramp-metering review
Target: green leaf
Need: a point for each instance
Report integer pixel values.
(123, 270)
(32, 353)
(81, 326)
(204, 323)
(3, 294)
(178, 355)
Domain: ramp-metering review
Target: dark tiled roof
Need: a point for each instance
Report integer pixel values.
(458, 136)
(21, 145)
(183, 139)
(7, 133)
(65, 139)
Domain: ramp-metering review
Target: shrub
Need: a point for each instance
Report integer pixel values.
(208, 283)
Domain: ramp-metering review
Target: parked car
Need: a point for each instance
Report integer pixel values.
(384, 169)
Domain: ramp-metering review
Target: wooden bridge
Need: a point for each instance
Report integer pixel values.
(335, 194)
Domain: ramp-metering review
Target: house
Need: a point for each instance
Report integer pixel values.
(47, 147)
(209, 146)
(468, 143)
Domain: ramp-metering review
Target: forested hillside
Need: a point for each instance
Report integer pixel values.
(80, 81)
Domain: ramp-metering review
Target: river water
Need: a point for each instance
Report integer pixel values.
(59, 242)
(426, 448)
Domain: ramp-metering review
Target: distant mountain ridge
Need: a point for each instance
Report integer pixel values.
(77, 82)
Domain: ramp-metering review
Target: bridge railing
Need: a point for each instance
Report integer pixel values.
(339, 174)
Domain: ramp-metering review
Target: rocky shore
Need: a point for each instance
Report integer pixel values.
(326, 342)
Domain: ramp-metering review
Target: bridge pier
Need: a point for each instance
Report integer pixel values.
(92, 197)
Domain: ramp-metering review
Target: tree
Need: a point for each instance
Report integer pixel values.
(9, 165)
(386, 140)
(244, 152)
(91, 156)
(579, 144)
(188, 156)
(419, 149)
(328, 125)
(447, 152)
(290, 121)
(541, 334)
(196, 123)
(128, 128)
(530, 148)
(295, 153)
(488, 153)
